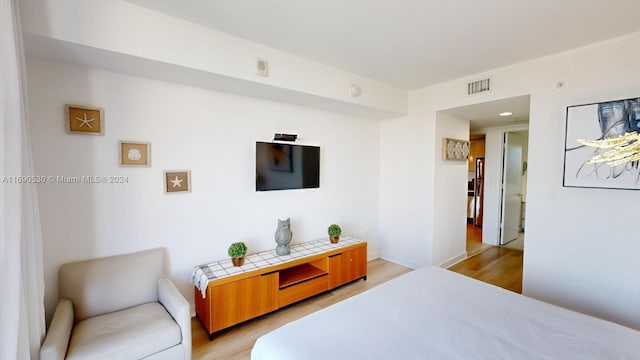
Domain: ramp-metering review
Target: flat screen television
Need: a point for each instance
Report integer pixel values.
(287, 166)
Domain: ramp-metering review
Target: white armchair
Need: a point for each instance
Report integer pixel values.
(119, 307)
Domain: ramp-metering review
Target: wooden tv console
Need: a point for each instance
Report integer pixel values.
(312, 268)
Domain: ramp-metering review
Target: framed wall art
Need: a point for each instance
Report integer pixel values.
(177, 181)
(135, 153)
(454, 149)
(598, 121)
(84, 120)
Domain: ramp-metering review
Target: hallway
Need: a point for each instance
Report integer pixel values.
(474, 240)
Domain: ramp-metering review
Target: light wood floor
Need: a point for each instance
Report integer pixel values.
(496, 265)
(236, 342)
(474, 240)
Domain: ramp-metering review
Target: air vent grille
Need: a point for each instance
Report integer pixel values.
(479, 86)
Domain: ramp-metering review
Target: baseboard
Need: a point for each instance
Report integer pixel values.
(454, 260)
(401, 262)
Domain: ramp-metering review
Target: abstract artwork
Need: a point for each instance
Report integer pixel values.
(177, 181)
(134, 153)
(84, 120)
(595, 122)
(454, 149)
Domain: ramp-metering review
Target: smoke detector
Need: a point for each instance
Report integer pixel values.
(355, 90)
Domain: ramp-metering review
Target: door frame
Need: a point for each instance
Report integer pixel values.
(503, 183)
(493, 177)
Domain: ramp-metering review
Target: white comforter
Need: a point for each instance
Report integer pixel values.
(432, 313)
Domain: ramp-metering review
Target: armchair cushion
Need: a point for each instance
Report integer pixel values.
(132, 333)
(119, 307)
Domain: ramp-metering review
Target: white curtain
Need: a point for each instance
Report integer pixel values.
(22, 324)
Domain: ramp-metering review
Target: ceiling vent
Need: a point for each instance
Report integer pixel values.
(480, 86)
(262, 67)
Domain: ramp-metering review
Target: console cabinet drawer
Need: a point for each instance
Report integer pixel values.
(303, 290)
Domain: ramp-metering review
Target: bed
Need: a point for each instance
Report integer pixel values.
(433, 313)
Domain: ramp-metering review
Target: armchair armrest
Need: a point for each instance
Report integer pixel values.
(178, 308)
(56, 342)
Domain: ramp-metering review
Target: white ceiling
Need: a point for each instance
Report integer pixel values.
(413, 43)
(485, 114)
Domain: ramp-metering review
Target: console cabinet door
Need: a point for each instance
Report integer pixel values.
(241, 300)
(347, 266)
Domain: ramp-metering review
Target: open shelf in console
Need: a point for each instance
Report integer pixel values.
(300, 273)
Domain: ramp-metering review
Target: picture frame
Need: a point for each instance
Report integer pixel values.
(134, 153)
(455, 149)
(596, 121)
(86, 120)
(177, 181)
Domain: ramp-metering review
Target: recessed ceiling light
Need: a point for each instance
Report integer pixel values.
(506, 113)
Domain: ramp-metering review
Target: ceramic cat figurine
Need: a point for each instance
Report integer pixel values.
(283, 237)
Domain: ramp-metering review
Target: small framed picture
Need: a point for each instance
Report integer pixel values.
(177, 181)
(454, 149)
(135, 153)
(84, 120)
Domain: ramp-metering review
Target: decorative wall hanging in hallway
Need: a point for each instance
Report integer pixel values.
(454, 149)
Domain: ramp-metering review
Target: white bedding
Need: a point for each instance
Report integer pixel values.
(432, 313)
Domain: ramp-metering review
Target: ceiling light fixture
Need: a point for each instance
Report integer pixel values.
(506, 113)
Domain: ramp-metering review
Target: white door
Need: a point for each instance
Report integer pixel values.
(511, 182)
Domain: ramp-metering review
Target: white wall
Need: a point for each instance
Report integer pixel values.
(406, 165)
(450, 193)
(581, 245)
(210, 133)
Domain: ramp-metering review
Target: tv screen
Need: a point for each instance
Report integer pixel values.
(287, 166)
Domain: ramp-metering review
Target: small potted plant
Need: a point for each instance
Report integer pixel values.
(334, 233)
(237, 251)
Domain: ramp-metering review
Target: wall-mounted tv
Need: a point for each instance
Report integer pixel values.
(287, 166)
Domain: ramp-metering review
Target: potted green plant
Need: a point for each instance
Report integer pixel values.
(237, 251)
(334, 233)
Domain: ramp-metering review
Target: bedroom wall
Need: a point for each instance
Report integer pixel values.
(450, 195)
(580, 248)
(212, 134)
(406, 191)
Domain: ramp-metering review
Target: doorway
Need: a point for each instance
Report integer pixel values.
(491, 120)
(513, 185)
(475, 194)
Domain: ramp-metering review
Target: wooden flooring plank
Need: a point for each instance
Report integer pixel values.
(499, 266)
